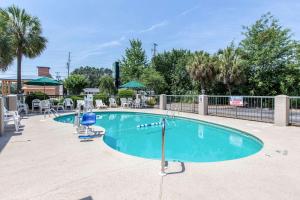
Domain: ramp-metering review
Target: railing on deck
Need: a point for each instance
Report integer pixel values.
(294, 115)
(183, 103)
(256, 108)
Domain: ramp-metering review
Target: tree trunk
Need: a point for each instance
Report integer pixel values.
(19, 71)
(202, 87)
(229, 89)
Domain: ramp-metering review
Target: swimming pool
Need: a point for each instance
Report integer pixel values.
(186, 139)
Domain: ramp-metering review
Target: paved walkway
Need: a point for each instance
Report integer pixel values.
(47, 161)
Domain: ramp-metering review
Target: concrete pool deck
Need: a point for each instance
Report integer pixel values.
(47, 161)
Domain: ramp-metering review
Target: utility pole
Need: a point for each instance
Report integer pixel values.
(154, 49)
(69, 63)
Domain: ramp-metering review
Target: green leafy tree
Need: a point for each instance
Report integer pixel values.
(267, 49)
(75, 83)
(172, 66)
(92, 74)
(25, 33)
(106, 85)
(133, 62)
(153, 80)
(231, 70)
(202, 68)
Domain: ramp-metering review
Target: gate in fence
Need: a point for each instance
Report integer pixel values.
(183, 103)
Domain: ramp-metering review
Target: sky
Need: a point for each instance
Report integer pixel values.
(97, 32)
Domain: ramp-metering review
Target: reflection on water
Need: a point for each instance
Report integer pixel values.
(200, 132)
(236, 140)
(112, 117)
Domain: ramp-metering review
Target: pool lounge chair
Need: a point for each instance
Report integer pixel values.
(100, 104)
(112, 102)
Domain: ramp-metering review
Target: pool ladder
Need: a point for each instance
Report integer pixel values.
(50, 112)
(171, 113)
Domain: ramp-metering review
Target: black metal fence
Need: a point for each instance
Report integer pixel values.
(256, 108)
(294, 115)
(183, 103)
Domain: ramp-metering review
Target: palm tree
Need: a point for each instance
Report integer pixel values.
(202, 68)
(25, 32)
(6, 52)
(231, 70)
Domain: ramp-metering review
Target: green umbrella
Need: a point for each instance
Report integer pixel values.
(44, 81)
(133, 85)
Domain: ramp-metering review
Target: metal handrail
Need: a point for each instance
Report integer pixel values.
(163, 162)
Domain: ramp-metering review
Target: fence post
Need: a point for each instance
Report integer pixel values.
(203, 105)
(1, 116)
(163, 102)
(282, 108)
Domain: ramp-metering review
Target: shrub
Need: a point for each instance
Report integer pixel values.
(125, 93)
(151, 102)
(55, 101)
(103, 96)
(75, 98)
(35, 95)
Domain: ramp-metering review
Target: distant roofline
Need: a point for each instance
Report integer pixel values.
(24, 78)
(42, 67)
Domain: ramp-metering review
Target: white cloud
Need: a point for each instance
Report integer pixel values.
(154, 27)
(187, 11)
(98, 49)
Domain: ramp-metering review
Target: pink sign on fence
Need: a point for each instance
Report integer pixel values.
(236, 101)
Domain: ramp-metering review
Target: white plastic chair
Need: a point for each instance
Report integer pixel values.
(100, 104)
(137, 103)
(129, 101)
(68, 103)
(12, 117)
(79, 104)
(112, 102)
(124, 102)
(45, 105)
(36, 103)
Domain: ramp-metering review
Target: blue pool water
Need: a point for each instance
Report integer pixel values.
(186, 139)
